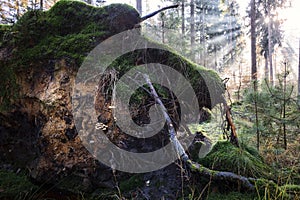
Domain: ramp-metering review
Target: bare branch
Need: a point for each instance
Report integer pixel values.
(158, 11)
(196, 167)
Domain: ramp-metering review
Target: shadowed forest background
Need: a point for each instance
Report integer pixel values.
(247, 136)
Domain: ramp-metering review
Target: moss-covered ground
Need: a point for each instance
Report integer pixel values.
(14, 185)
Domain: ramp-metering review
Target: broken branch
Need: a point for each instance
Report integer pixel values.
(233, 135)
(158, 11)
(196, 167)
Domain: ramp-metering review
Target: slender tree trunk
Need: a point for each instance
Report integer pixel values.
(230, 33)
(270, 44)
(256, 118)
(139, 6)
(202, 38)
(163, 28)
(41, 4)
(266, 69)
(253, 63)
(182, 17)
(299, 76)
(18, 9)
(284, 106)
(253, 43)
(240, 82)
(193, 29)
(216, 62)
(275, 66)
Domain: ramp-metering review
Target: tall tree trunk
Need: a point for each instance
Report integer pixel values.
(193, 29)
(18, 9)
(240, 83)
(182, 17)
(284, 107)
(163, 28)
(270, 43)
(216, 62)
(256, 117)
(275, 66)
(253, 42)
(230, 32)
(253, 63)
(266, 68)
(41, 4)
(202, 37)
(139, 6)
(299, 76)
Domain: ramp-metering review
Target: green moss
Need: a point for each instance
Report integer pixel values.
(73, 46)
(206, 83)
(30, 29)
(69, 29)
(101, 194)
(8, 86)
(4, 33)
(4, 28)
(69, 17)
(14, 185)
(244, 161)
(232, 196)
(71, 183)
(133, 182)
(120, 7)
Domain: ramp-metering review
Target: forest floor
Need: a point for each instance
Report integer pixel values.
(285, 165)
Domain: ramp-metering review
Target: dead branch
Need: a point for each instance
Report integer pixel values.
(196, 167)
(158, 11)
(233, 135)
(179, 149)
(230, 123)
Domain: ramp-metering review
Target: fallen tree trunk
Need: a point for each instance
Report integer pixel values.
(213, 175)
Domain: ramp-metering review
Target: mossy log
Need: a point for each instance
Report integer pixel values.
(241, 182)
